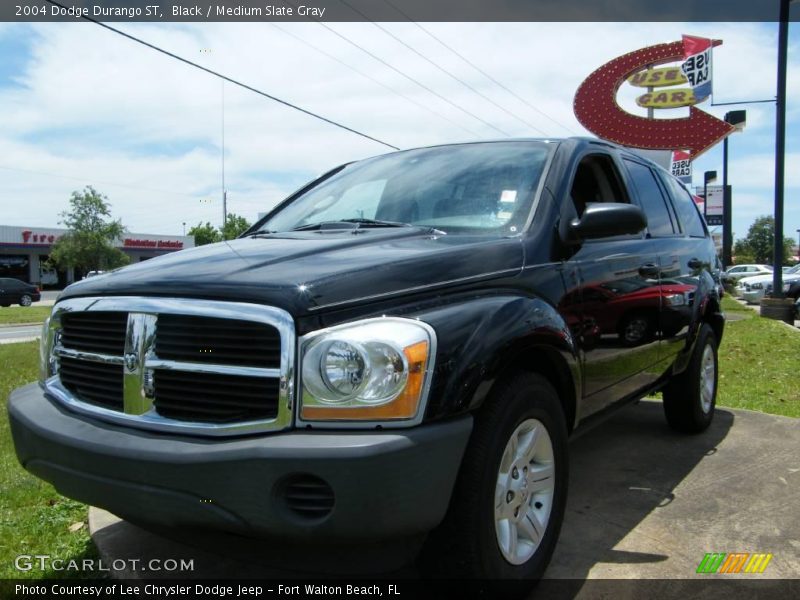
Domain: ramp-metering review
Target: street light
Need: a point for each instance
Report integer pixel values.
(184, 229)
(737, 118)
(708, 177)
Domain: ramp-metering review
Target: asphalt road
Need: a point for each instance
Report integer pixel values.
(19, 333)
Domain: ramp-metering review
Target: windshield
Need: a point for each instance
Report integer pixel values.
(471, 187)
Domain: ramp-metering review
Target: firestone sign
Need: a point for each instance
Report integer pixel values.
(31, 237)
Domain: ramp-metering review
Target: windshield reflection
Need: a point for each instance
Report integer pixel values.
(470, 187)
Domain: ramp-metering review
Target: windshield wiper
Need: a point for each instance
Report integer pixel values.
(356, 224)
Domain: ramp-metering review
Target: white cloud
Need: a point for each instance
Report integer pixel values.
(100, 108)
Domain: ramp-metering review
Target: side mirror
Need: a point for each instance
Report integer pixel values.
(607, 219)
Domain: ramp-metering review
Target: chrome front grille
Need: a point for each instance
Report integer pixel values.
(208, 397)
(190, 366)
(95, 331)
(218, 341)
(97, 383)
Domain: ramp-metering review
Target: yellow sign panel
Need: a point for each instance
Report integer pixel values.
(667, 99)
(658, 77)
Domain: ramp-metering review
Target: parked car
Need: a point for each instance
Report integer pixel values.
(734, 274)
(14, 291)
(791, 289)
(753, 289)
(385, 361)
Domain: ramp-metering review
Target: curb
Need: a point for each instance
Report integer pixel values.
(98, 520)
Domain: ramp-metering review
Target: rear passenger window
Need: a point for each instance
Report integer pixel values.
(651, 198)
(688, 215)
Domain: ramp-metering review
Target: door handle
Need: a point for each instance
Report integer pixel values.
(648, 270)
(694, 263)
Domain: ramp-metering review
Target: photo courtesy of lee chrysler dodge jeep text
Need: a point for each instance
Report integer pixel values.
(393, 359)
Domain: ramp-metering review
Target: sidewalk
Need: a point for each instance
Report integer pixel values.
(757, 309)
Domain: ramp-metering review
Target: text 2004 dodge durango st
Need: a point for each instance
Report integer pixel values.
(392, 359)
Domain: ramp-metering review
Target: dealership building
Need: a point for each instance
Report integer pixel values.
(25, 250)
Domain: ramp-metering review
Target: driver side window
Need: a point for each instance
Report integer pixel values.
(596, 180)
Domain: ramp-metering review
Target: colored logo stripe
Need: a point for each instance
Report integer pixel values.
(722, 562)
(711, 562)
(734, 562)
(757, 563)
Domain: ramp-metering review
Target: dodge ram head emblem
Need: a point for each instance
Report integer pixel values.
(131, 361)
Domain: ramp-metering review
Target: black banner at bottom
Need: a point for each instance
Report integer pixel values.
(334, 589)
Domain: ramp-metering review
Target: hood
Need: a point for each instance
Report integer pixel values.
(313, 270)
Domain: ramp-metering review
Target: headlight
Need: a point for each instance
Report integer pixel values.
(786, 287)
(675, 299)
(371, 370)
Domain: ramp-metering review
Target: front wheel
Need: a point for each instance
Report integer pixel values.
(508, 503)
(690, 398)
(25, 300)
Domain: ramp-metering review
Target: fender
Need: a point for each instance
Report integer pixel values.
(480, 338)
(706, 307)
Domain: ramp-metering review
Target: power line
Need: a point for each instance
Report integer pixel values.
(376, 81)
(401, 73)
(443, 70)
(231, 80)
(481, 71)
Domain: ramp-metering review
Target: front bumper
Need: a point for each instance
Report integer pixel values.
(385, 484)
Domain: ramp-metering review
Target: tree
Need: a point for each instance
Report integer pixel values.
(89, 241)
(234, 227)
(208, 234)
(205, 234)
(758, 245)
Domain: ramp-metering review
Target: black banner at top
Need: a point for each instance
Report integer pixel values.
(392, 10)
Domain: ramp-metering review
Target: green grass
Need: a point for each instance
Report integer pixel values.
(24, 314)
(758, 363)
(34, 518)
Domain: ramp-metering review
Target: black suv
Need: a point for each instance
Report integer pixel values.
(396, 354)
(14, 291)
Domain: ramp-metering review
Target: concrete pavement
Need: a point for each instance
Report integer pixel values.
(644, 503)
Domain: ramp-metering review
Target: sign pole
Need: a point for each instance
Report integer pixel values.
(780, 147)
(727, 224)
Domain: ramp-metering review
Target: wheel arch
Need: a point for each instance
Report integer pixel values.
(485, 340)
(550, 363)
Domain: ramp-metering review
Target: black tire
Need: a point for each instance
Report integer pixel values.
(466, 544)
(25, 300)
(684, 404)
(637, 328)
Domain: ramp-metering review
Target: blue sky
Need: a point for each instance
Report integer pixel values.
(80, 105)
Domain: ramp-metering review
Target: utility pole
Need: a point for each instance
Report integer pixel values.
(224, 191)
(780, 150)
